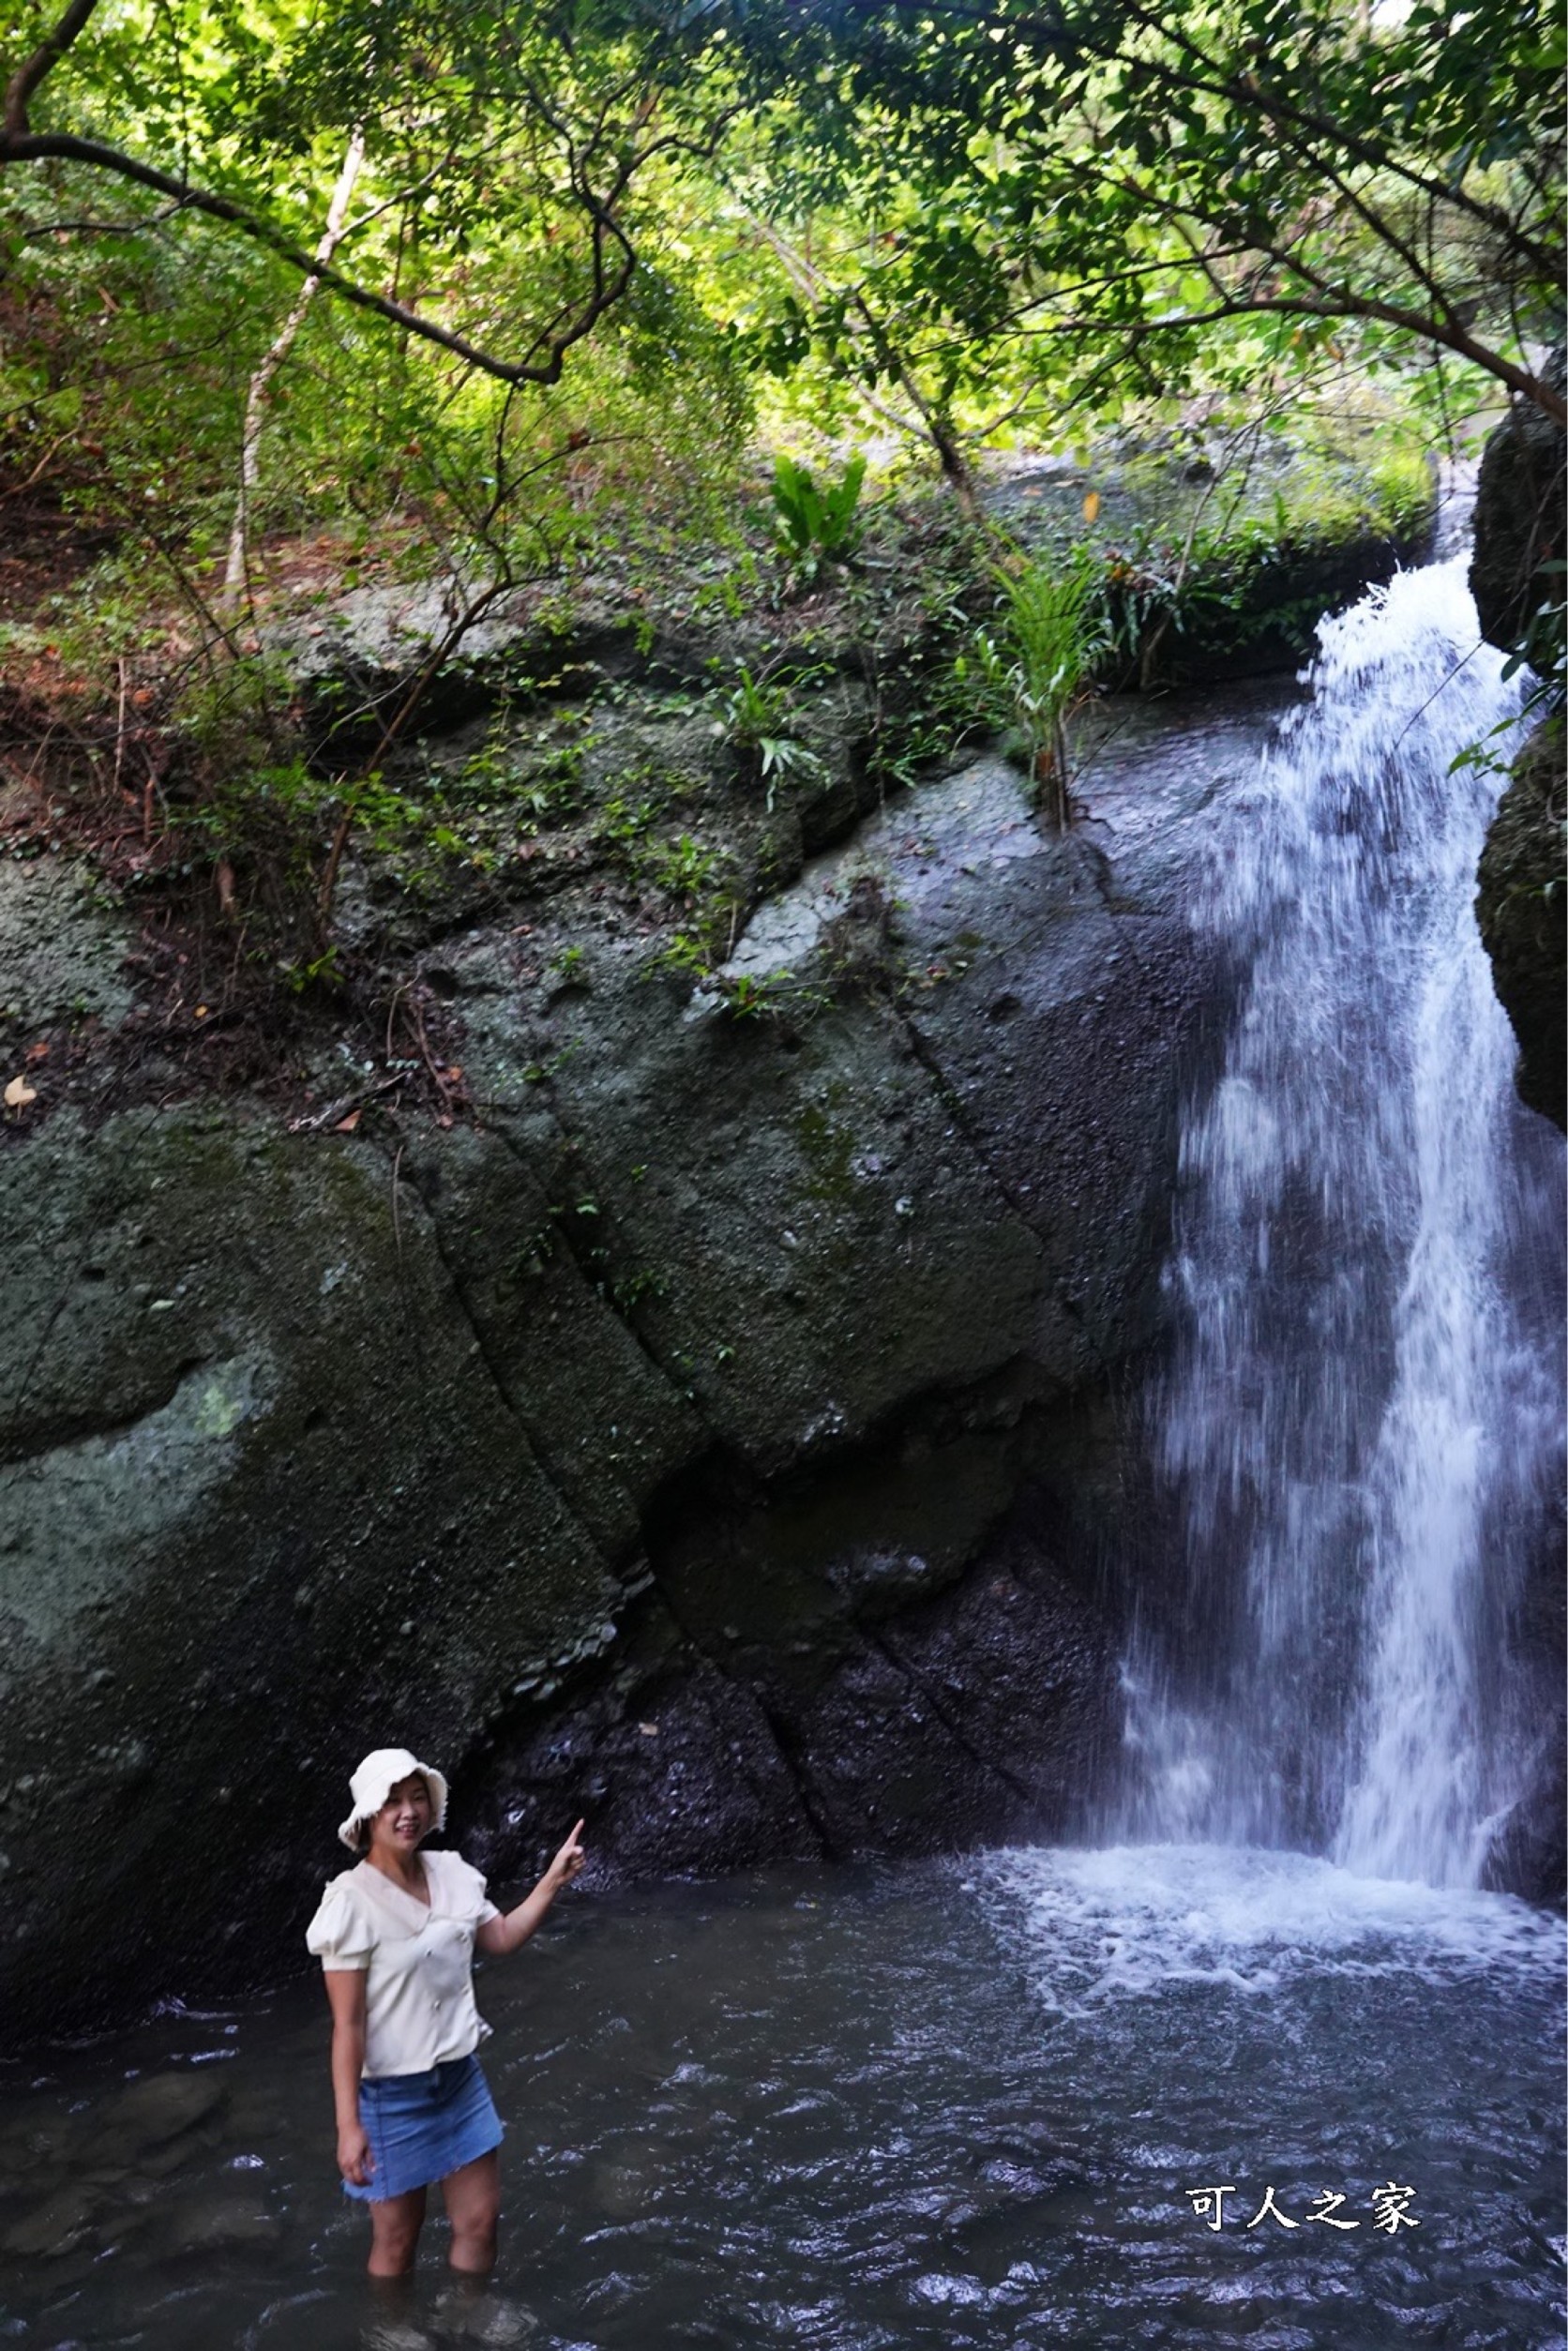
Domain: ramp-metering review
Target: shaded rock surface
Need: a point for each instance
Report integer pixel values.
(1521, 528)
(718, 1435)
(59, 953)
(1236, 557)
(1520, 524)
(1521, 904)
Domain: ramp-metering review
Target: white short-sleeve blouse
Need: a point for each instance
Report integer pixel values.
(418, 1962)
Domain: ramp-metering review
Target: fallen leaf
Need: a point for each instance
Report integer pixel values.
(1092, 505)
(19, 1093)
(36, 1053)
(346, 1126)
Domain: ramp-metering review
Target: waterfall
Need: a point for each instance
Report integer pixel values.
(1360, 1420)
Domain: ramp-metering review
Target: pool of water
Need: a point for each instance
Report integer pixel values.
(968, 2103)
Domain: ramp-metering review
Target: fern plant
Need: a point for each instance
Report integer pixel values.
(754, 720)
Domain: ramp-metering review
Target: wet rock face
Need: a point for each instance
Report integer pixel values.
(1528, 1852)
(980, 1712)
(1519, 522)
(752, 1379)
(1521, 526)
(1521, 905)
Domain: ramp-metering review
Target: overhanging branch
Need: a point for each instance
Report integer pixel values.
(42, 62)
(64, 147)
(20, 143)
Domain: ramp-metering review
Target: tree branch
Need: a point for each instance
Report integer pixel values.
(42, 62)
(260, 382)
(1256, 97)
(98, 228)
(1331, 300)
(1325, 305)
(60, 147)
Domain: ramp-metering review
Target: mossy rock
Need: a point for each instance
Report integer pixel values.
(1221, 569)
(1520, 904)
(1518, 523)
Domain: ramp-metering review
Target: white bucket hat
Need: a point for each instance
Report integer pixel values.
(373, 1783)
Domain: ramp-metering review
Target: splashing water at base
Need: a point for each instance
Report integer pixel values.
(947, 2107)
(1361, 1420)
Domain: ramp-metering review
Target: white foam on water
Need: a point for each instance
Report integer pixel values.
(1131, 1920)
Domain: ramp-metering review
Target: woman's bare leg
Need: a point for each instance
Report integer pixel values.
(395, 2224)
(473, 2197)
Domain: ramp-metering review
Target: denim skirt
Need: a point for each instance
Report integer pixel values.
(421, 2125)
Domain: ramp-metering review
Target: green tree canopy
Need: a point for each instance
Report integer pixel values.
(508, 151)
(1111, 187)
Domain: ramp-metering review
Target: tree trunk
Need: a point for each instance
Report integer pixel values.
(260, 382)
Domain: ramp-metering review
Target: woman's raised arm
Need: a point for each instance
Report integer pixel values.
(497, 1936)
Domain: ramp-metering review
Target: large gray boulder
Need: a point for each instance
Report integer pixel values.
(716, 1434)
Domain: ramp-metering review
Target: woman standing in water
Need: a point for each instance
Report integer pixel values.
(395, 1937)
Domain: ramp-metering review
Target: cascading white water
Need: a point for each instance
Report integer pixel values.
(1361, 1410)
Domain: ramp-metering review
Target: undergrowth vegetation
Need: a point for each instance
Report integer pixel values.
(401, 521)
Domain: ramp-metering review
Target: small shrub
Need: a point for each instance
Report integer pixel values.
(1055, 629)
(816, 526)
(748, 995)
(540, 787)
(687, 956)
(754, 720)
(680, 869)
